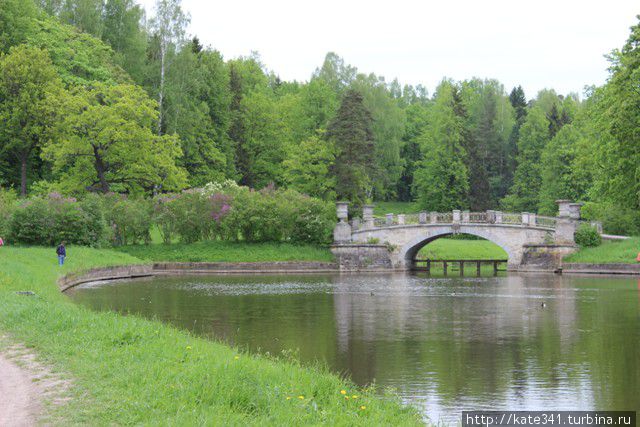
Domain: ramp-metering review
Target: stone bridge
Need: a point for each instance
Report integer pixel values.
(530, 241)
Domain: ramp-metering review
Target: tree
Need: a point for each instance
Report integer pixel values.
(168, 25)
(79, 58)
(336, 73)
(388, 128)
(519, 104)
(85, 15)
(441, 178)
(30, 95)
(16, 21)
(307, 170)
(124, 33)
(534, 135)
(562, 177)
(618, 153)
(107, 143)
(352, 135)
(417, 119)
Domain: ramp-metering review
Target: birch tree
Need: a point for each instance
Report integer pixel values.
(168, 26)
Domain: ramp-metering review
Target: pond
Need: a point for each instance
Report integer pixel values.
(444, 344)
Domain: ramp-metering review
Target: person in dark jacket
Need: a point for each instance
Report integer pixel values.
(62, 252)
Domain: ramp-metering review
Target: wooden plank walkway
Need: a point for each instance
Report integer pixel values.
(428, 264)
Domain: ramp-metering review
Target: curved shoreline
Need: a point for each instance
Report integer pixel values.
(287, 267)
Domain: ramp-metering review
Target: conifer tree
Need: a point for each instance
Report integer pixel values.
(351, 133)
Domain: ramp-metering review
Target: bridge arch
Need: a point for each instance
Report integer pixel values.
(409, 250)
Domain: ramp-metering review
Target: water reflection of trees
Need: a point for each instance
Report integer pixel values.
(491, 339)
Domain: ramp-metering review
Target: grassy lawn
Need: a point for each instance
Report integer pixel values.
(382, 208)
(127, 370)
(228, 251)
(462, 249)
(621, 251)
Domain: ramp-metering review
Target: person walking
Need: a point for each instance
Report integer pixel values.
(62, 252)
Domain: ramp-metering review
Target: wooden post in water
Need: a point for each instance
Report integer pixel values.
(444, 267)
(495, 268)
(429, 267)
(478, 268)
(461, 268)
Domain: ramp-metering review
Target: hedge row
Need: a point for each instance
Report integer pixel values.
(226, 212)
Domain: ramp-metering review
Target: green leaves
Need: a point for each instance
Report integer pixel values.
(109, 145)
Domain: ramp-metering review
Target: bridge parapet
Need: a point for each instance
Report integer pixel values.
(524, 219)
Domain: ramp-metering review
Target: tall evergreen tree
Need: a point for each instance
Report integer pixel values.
(352, 135)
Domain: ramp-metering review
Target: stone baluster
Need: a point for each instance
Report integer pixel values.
(367, 216)
(466, 217)
(400, 219)
(389, 218)
(532, 219)
(490, 216)
(433, 217)
(422, 217)
(525, 218)
(355, 224)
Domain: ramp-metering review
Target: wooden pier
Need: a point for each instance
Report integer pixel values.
(427, 264)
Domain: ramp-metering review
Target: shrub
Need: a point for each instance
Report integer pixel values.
(192, 216)
(8, 199)
(587, 236)
(48, 221)
(130, 219)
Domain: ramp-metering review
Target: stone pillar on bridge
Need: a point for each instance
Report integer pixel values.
(389, 219)
(532, 219)
(525, 218)
(367, 216)
(342, 231)
(433, 217)
(400, 219)
(567, 221)
(422, 217)
(498, 217)
(456, 217)
(491, 216)
(466, 217)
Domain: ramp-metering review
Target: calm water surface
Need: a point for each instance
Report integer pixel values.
(445, 344)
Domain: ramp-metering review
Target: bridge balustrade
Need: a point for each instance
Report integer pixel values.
(464, 217)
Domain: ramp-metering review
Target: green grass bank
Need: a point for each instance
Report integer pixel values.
(609, 252)
(127, 370)
(222, 251)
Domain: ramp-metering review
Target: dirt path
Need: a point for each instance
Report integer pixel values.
(19, 402)
(26, 386)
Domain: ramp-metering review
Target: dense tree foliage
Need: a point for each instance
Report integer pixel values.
(199, 118)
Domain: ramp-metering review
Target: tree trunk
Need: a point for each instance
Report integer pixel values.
(161, 92)
(100, 169)
(23, 174)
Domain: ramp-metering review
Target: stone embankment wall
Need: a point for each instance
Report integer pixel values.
(104, 273)
(172, 268)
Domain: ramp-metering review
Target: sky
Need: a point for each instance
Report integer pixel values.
(538, 44)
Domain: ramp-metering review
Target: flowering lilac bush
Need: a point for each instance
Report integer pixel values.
(191, 215)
